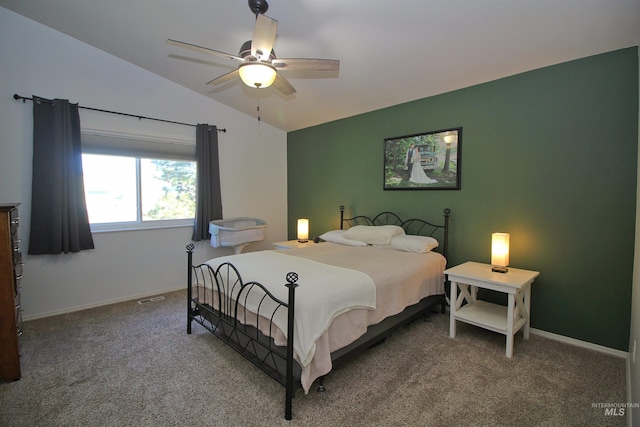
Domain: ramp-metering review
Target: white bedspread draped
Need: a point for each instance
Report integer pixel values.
(325, 292)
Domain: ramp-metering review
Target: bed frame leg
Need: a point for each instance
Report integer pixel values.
(321, 388)
(292, 278)
(190, 247)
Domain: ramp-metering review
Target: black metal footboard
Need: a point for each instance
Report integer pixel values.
(217, 300)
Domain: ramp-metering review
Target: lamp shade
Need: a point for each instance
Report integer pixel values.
(303, 230)
(500, 249)
(257, 74)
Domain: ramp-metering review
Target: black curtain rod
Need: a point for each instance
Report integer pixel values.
(25, 99)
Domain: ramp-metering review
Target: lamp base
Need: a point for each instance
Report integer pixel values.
(499, 269)
(302, 241)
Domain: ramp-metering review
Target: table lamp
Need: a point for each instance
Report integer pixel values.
(303, 230)
(500, 252)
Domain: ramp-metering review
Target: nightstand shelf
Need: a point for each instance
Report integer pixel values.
(488, 315)
(466, 307)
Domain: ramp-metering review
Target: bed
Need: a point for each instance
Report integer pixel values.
(298, 313)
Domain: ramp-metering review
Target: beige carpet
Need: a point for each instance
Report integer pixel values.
(131, 364)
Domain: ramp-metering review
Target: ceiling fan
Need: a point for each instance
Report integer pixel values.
(258, 65)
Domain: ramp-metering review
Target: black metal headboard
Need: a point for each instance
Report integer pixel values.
(414, 226)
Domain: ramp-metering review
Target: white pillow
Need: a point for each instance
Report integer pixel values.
(417, 244)
(374, 234)
(337, 236)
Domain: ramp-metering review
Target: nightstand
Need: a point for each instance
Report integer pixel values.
(293, 244)
(516, 283)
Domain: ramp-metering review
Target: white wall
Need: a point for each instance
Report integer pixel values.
(36, 60)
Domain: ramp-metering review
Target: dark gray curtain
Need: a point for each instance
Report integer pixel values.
(59, 220)
(208, 196)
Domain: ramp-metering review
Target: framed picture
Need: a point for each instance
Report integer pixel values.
(424, 161)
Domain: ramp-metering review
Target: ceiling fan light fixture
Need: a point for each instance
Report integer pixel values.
(257, 74)
(257, 58)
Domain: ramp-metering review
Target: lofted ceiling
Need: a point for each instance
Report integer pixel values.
(390, 52)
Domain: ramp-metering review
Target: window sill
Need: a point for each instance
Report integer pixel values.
(136, 226)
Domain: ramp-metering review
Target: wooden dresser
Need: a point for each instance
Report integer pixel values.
(10, 275)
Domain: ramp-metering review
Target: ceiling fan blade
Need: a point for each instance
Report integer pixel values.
(283, 85)
(204, 50)
(306, 64)
(264, 35)
(224, 78)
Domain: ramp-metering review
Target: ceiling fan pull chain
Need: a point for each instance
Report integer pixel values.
(258, 109)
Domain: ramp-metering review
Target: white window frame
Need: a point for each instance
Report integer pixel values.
(101, 138)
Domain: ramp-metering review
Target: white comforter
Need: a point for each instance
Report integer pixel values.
(324, 292)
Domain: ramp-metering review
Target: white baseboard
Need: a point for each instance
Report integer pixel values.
(568, 340)
(579, 343)
(100, 304)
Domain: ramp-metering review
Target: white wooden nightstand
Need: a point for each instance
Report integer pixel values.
(293, 244)
(505, 320)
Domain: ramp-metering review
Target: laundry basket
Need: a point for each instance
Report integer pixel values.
(236, 232)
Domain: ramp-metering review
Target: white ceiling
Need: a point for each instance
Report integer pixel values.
(390, 51)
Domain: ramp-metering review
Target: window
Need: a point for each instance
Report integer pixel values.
(125, 192)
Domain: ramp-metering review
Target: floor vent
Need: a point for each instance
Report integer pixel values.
(144, 301)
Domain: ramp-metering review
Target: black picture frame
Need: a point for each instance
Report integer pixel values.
(440, 154)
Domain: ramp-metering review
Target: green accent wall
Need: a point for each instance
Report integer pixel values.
(549, 156)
